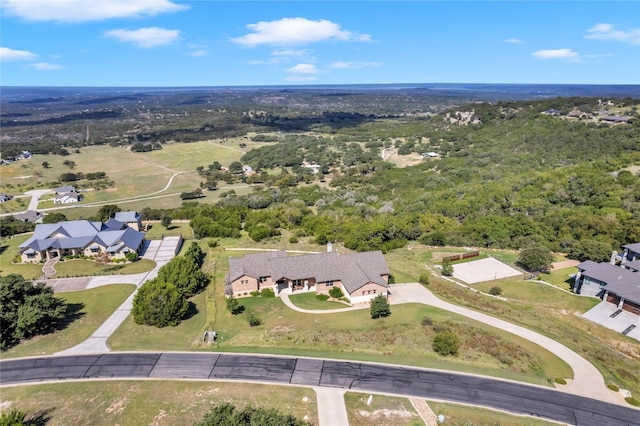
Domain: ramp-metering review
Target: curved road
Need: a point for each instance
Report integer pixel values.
(503, 395)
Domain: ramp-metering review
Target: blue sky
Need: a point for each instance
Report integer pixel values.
(220, 43)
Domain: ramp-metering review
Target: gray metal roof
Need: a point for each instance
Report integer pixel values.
(354, 270)
(635, 247)
(618, 280)
(127, 216)
(67, 188)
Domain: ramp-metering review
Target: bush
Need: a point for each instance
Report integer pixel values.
(426, 321)
(392, 279)
(336, 293)
(447, 268)
(293, 239)
(227, 414)
(632, 401)
(424, 278)
(159, 304)
(446, 343)
(212, 243)
(613, 387)
(253, 319)
(233, 305)
(132, 256)
(322, 297)
(13, 418)
(380, 307)
(255, 293)
(560, 381)
(495, 291)
(267, 292)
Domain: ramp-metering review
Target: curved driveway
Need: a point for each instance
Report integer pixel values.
(440, 385)
(587, 380)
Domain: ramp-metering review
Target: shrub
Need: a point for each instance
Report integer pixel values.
(613, 387)
(253, 319)
(446, 343)
(13, 418)
(426, 321)
(631, 400)
(212, 243)
(132, 256)
(322, 297)
(255, 293)
(228, 414)
(495, 291)
(447, 268)
(293, 239)
(424, 278)
(233, 305)
(336, 293)
(160, 304)
(560, 381)
(380, 307)
(392, 279)
(267, 292)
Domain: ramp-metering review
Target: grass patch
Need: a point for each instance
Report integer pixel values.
(186, 336)
(9, 250)
(560, 277)
(455, 414)
(89, 308)
(309, 301)
(384, 410)
(155, 231)
(152, 402)
(86, 267)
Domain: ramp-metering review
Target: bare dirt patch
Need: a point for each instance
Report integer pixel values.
(565, 264)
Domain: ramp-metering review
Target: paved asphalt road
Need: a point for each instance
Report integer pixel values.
(511, 396)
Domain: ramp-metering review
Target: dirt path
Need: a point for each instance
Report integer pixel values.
(564, 264)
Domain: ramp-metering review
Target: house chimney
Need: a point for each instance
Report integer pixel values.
(329, 247)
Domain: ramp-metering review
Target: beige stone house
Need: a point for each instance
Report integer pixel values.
(360, 276)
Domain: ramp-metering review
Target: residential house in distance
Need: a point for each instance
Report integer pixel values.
(360, 276)
(64, 189)
(81, 237)
(29, 216)
(5, 197)
(67, 198)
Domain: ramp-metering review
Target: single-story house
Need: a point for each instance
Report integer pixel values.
(29, 216)
(619, 285)
(67, 198)
(82, 237)
(64, 189)
(360, 276)
(5, 197)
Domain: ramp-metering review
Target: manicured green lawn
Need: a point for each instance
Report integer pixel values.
(309, 301)
(9, 251)
(151, 402)
(86, 267)
(560, 277)
(155, 231)
(186, 336)
(88, 310)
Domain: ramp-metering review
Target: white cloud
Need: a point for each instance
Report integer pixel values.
(145, 37)
(301, 79)
(12, 55)
(608, 32)
(43, 66)
(198, 52)
(303, 69)
(87, 10)
(567, 54)
(514, 41)
(351, 65)
(296, 31)
(290, 52)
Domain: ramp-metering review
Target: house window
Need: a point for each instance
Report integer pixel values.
(31, 256)
(329, 284)
(296, 283)
(263, 279)
(95, 250)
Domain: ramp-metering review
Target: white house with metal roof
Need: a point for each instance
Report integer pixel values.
(360, 276)
(81, 237)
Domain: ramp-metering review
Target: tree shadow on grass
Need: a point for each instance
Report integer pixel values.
(41, 418)
(191, 311)
(73, 313)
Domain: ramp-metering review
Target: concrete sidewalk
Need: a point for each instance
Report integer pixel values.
(331, 408)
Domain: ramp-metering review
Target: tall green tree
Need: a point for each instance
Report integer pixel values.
(380, 307)
(159, 304)
(536, 259)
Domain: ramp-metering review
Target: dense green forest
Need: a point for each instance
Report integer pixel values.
(510, 178)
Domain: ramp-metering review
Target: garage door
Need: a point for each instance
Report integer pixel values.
(612, 298)
(634, 308)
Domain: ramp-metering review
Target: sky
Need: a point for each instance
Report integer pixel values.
(175, 43)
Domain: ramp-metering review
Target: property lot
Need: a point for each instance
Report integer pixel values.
(482, 270)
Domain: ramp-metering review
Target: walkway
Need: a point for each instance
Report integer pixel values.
(163, 252)
(587, 380)
(47, 269)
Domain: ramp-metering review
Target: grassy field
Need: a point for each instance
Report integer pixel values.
(309, 301)
(155, 231)
(383, 410)
(86, 267)
(9, 250)
(560, 277)
(150, 402)
(88, 310)
(186, 336)
(462, 415)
